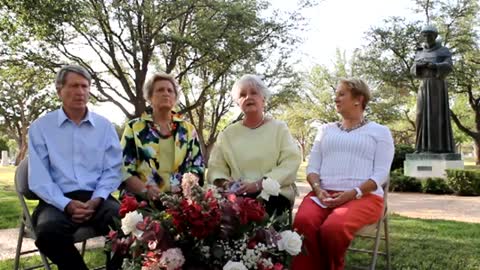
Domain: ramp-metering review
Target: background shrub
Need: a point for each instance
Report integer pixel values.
(436, 185)
(400, 151)
(464, 182)
(403, 183)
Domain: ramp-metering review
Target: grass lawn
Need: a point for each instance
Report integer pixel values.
(10, 208)
(93, 258)
(429, 245)
(415, 244)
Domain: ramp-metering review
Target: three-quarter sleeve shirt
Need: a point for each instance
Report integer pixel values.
(241, 153)
(344, 160)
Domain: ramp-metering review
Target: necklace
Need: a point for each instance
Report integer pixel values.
(362, 123)
(158, 127)
(257, 124)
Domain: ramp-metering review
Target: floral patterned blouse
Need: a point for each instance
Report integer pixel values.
(140, 143)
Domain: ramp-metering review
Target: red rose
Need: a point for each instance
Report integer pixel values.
(251, 210)
(129, 204)
(251, 244)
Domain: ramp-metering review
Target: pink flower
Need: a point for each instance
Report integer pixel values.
(278, 266)
(172, 259)
(152, 244)
(188, 181)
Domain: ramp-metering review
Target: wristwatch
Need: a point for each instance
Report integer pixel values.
(359, 193)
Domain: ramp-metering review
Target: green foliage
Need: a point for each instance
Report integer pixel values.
(400, 152)
(3, 143)
(25, 94)
(386, 60)
(436, 185)
(403, 183)
(464, 182)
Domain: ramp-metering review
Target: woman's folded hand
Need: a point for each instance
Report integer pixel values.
(339, 198)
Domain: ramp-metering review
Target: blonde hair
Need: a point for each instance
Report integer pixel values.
(160, 76)
(358, 88)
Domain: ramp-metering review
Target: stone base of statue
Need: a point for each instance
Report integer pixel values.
(423, 165)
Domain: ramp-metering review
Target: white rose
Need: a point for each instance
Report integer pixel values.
(234, 266)
(270, 188)
(290, 242)
(129, 223)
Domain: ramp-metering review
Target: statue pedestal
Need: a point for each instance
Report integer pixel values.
(423, 165)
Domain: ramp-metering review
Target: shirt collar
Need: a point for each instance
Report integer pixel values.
(147, 115)
(62, 118)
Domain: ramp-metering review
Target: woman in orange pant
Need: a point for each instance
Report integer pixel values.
(349, 162)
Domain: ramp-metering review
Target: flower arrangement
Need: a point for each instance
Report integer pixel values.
(201, 228)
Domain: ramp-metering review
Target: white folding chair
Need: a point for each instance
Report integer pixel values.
(26, 225)
(377, 232)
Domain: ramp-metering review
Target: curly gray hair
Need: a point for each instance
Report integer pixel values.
(250, 80)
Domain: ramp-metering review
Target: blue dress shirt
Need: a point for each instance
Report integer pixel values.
(65, 157)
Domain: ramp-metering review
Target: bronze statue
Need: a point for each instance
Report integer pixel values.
(433, 62)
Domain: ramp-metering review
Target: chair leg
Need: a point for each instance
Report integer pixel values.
(373, 262)
(21, 232)
(387, 243)
(84, 244)
(45, 261)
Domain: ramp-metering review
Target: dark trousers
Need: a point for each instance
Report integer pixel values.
(55, 229)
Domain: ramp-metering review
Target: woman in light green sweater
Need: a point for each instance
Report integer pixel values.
(256, 148)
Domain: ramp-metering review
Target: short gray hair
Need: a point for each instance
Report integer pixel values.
(160, 76)
(250, 80)
(62, 74)
(358, 87)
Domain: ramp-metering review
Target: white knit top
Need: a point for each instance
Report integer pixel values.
(344, 160)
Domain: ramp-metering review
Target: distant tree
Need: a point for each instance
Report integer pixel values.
(385, 60)
(206, 44)
(25, 94)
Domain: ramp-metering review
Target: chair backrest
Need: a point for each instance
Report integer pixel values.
(21, 181)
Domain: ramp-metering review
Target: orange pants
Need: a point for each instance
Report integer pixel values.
(328, 231)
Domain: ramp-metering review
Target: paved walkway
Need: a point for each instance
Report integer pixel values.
(417, 205)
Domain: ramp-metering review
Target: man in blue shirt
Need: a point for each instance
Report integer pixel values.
(74, 164)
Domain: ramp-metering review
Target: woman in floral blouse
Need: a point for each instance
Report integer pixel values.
(158, 147)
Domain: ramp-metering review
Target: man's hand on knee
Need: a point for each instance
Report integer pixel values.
(94, 203)
(79, 211)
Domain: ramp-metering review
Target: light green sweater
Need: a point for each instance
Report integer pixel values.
(251, 154)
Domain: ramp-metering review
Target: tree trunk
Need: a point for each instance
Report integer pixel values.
(140, 107)
(302, 149)
(21, 152)
(22, 145)
(477, 150)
